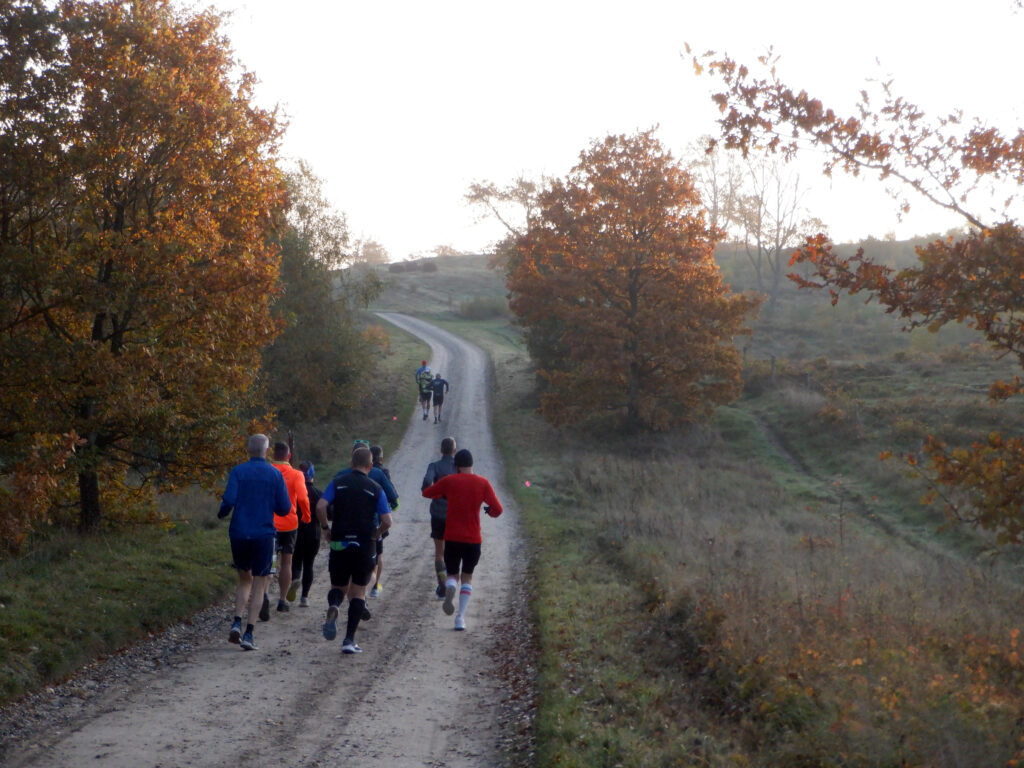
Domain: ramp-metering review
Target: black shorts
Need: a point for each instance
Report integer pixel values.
(253, 555)
(353, 564)
(380, 546)
(460, 557)
(438, 399)
(286, 541)
(437, 527)
(424, 397)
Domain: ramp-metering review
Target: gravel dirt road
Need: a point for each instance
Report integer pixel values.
(420, 694)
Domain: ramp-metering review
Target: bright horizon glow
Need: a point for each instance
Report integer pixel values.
(400, 106)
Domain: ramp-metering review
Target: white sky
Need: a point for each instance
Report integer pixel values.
(400, 105)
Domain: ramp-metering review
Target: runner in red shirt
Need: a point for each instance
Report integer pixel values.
(465, 492)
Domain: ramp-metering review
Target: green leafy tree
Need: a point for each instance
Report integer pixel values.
(138, 188)
(321, 363)
(615, 282)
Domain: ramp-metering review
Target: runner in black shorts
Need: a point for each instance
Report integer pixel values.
(439, 507)
(361, 516)
(378, 464)
(423, 384)
(465, 492)
(439, 387)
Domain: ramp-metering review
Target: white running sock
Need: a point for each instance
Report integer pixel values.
(464, 594)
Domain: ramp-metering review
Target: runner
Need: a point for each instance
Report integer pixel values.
(384, 481)
(438, 387)
(435, 471)
(424, 383)
(378, 463)
(307, 544)
(255, 496)
(288, 526)
(361, 516)
(465, 492)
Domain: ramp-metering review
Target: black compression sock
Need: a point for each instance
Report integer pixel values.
(249, 628)
(355, 614)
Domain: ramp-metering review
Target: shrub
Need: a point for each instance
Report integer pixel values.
(483, 307)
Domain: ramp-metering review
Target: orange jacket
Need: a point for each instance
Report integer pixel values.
(296, 483)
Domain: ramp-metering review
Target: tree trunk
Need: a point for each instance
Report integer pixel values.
(88, 500)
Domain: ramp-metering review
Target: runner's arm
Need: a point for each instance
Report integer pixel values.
(302, 501)
(433, 491)
(282, 501)
(493, 507)
(321, 513)
(230, 496)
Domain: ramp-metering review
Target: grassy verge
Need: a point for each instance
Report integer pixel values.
(761, 591)
(69, 599)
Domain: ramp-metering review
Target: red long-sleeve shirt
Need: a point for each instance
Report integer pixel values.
(465, 493)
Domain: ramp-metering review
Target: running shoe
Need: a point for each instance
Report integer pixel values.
(424, 417)
(460, 623)
(366, 614)
(235, 635)
(449, 600)
(349, 646)
(303, 602)
(439, 591)
(248, 644)
(265, 610)
(375, 592)
(282, 606)
(293, 590)
(331, 625)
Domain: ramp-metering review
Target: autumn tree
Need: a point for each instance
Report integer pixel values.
(976, 277)
(623, 304)
(138, 187)
(369, 251)
(321, 362)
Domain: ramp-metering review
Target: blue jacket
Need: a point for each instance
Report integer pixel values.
(256, 492)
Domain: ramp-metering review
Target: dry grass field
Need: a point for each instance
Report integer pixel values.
(762, 590)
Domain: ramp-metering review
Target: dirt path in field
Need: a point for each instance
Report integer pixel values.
(420, 694)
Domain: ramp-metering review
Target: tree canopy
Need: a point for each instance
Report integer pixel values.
(319, 364)
(975, 278)
(138, 190)
(615, 283)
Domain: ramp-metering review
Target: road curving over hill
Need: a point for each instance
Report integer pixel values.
(419, 695)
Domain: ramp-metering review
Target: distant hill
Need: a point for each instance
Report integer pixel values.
(803, 324)
(442, 286)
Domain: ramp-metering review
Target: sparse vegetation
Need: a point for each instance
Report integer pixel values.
(765, 591)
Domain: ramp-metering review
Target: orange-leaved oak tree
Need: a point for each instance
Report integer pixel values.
(138, 189)
(622, 302)
(976, 278)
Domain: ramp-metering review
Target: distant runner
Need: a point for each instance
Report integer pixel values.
(465, 492)
(378, 464)
(424, 384)
(255, 496)
(361, 516)
(438, 508)
(438, 387)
